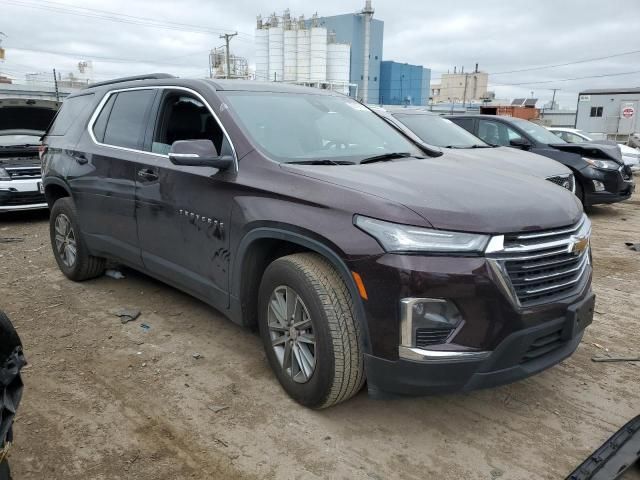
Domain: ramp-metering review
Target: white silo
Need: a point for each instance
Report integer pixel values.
(338, 66)
(262, 51)
(318, 53)
(290, 49)
(303, 54)
(276, 50)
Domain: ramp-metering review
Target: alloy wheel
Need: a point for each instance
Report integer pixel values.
(291, 332)
(65, 238)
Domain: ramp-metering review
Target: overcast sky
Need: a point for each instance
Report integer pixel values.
(501, 35)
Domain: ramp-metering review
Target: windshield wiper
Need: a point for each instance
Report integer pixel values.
(385, 157)
(321, 162)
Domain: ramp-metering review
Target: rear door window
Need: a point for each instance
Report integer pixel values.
(496, 133)
(72, 109)
(127, 120)
(100, 124)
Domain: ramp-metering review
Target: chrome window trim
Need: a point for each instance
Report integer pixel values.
(106, 97)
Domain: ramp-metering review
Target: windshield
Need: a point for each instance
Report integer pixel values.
(10, 140)
(439, 131)
(303, 127)
(540, 134)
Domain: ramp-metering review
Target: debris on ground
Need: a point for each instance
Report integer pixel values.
(145, 327)
(115, 274)
(127, 314)
(615, 359)
(196, 356)
(11, 239)
(633, 246)
(597, 345)
(217, 408)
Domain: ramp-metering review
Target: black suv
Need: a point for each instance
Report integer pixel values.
(600, 174)
(300, 211)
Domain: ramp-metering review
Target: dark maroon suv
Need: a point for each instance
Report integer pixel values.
(359, 255)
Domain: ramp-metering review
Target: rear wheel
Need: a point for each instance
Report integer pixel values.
(309, 330)
(69, 248)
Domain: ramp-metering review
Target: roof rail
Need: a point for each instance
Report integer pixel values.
(149, 76)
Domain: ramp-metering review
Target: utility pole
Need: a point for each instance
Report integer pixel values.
(553, 100)
(227, 37)
(55, 83)
(464, 95)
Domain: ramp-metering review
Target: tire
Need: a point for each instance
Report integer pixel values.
(9, 339)
(5, 473)
(338, 373)
(82, 265)
(579, 192)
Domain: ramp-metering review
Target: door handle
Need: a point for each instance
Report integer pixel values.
(79, 157)
(148, 174)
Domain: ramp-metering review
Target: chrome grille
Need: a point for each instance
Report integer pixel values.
(19, 173)
(544, 266)
(566, 181)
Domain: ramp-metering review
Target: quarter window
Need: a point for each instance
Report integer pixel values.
(71, 109)
(126, 123)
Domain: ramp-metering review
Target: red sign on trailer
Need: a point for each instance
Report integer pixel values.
(628, 112)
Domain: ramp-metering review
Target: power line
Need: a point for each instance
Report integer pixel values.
(118, 18)
(557, 65)
(566, 79)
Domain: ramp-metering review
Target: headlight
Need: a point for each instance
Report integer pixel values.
(602, 164)
(404, 238)
(4, 175)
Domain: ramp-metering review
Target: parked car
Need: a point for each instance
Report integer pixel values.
(442, 133)
(300, 211)
(22, 123)
(601, 176)
(630, 155)
(11, 362)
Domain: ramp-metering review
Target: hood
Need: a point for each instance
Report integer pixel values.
(450, 195)
(592, 150)
(505, 158)
(27, 114)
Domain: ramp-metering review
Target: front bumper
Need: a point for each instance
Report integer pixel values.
(619, 186)
(17, 195)
(521, 354)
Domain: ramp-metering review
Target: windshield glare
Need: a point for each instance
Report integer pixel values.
(540, 134)
(9, 140)
(306, 127)
(439, 131)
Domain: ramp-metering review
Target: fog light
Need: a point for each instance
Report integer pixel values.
(427, 321)
(598, 186)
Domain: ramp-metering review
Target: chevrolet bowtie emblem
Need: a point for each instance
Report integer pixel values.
(578, 245)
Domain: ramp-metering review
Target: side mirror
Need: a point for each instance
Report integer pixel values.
(198, 153)
(520, 143)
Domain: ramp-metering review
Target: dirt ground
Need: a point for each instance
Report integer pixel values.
(105, 400)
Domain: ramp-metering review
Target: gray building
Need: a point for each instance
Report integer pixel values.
(612, 112)
(350, 28)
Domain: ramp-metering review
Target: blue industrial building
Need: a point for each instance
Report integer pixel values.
(404, 84)
(349, 28)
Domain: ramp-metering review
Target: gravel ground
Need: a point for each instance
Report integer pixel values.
(106, 400)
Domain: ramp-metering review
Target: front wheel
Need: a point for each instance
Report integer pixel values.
(309, 330)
